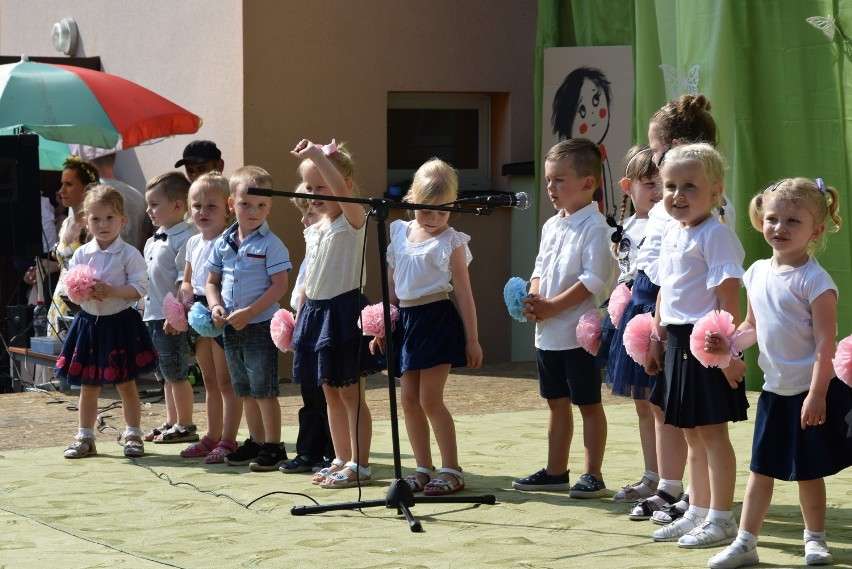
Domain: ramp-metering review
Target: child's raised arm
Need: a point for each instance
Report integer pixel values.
(339, 186)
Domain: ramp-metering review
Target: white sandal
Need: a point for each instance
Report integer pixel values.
(441, 487)
(414, 481)
(323, 473)
(339, 479)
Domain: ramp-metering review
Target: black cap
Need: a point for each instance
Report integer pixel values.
(199, 151)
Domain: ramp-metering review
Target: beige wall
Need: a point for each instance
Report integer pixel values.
(264, 74)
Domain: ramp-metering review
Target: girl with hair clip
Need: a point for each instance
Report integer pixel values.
(77, 176)
(641, 185)
(800, 429)
(107, 344)
(427, 260)
(208, 207)
(700, 267)
(327, 342)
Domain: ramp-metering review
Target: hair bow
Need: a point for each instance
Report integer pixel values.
(329, 148)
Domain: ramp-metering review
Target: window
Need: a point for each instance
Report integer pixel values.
(455, 127)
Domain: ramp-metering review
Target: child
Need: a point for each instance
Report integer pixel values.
(208, 203)
(200, 157)
(314, 447)
(573, 273)
(165, 253)
(107, 343)
(700, 266)
(327, 342)
(248, 274)
(641, 185)
(424, 256)
(800, 431)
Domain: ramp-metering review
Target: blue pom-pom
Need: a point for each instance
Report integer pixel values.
(513, 293)
(200, 319)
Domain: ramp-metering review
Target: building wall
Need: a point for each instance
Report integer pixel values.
(264, 74)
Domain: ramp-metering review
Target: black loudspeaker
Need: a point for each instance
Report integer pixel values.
(20, 197)
(18, 325)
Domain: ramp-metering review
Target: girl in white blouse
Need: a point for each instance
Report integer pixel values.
(427, 260)
(699, 270)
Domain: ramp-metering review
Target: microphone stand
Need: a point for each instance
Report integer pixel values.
(400, 495)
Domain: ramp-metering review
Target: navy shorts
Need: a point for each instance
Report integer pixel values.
(569, 373)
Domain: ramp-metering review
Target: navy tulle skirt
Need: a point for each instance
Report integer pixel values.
(106, 350)
(328, 346)
(623, 375)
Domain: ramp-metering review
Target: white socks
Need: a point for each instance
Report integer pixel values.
(131, 431)
(85, 434)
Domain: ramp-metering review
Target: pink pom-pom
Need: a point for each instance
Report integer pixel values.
(175, 313)
(373, 317)
(637, 337)
(79, 283)
(589, 331)
(281, 329)
(843, 361)
(717, 321)
(617, 302)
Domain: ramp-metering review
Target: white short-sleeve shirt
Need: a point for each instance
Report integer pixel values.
(693, 262)
(573, 248)
(421, 269)
(333, 253)
(628, 248)
(781, 304)
(119, 264)
(197, 254)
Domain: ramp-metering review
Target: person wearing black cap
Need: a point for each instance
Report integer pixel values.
(200, 157)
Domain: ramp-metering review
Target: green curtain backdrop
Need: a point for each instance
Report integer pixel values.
(778, 86)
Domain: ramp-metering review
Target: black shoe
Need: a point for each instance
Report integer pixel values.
(244, 454)
(543, 482)
(588, 486)
(302, 463)
(270, 457)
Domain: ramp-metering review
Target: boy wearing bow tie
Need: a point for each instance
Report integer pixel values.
(165, 254)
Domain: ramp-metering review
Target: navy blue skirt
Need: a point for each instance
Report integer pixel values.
(428, 335)
(106, 350)
(695, 395)
(623, 375)
(782, 449)
(328, 346)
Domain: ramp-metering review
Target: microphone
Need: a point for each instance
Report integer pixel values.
(518, 201)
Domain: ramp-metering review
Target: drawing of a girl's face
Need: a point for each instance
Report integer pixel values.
(592, 117)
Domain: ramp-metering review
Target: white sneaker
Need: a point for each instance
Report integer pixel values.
(735, 555)
(710, 534)
(678, 528)
(817, 553)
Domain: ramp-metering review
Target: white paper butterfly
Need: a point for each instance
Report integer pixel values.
(677, 84)
(826, 25)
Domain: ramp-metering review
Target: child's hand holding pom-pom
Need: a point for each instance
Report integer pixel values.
(174, 312)
(589, 331)
(80, 283)
(719, 322)
(281, 329)
(617, 303)
(843, 361)
(513, 294)
(373, 318)
(637, 337)
(200, 319)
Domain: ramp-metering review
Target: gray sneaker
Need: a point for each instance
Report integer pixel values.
(817, 553)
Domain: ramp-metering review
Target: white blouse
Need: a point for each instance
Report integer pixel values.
(333, 254)
(693, 262)
(421, 269)
(119, 264)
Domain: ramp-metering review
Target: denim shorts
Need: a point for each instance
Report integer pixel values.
(252, 360)
(173, 350)
(569, 373)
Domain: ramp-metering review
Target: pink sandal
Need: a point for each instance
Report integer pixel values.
(218, 454)
(200, 449)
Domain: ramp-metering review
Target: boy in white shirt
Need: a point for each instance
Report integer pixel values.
(573, 273)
